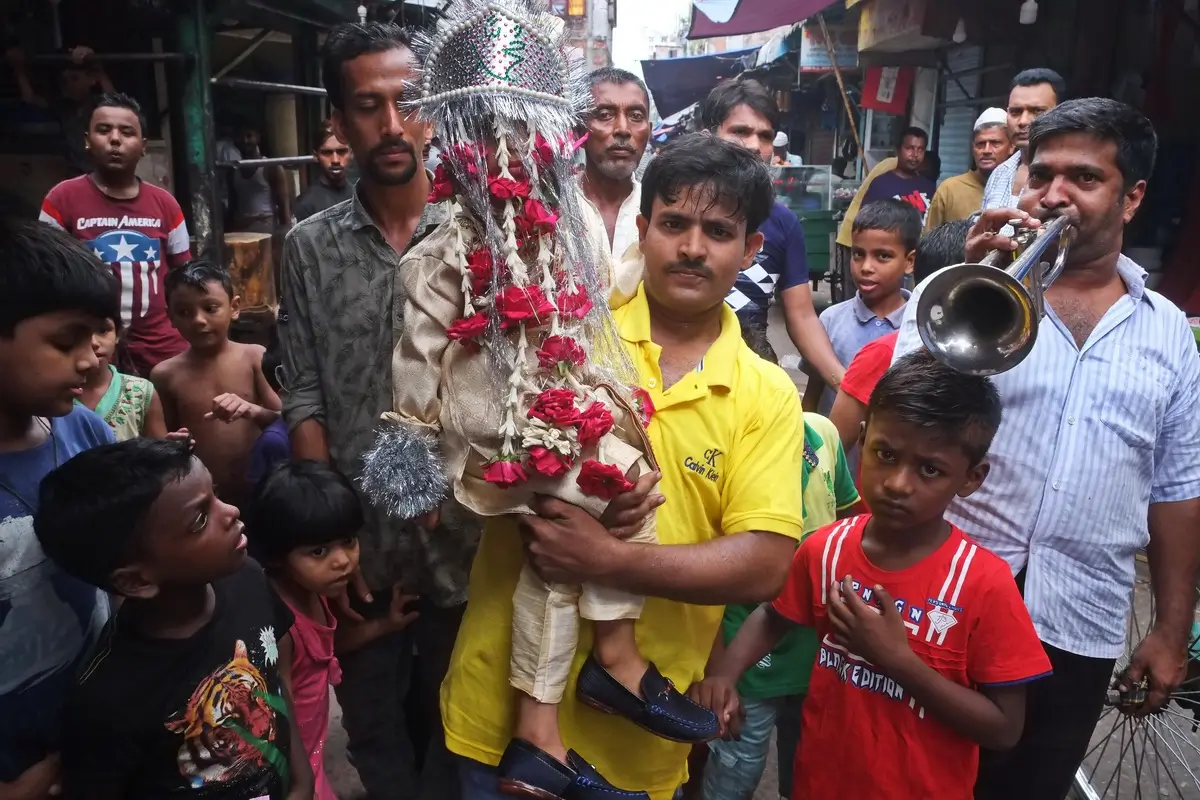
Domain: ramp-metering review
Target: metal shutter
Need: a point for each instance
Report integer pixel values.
(957, 121)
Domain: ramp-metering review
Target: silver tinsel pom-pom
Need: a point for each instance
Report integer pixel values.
(403, 473)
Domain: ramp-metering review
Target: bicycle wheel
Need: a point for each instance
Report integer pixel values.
(1157, 756)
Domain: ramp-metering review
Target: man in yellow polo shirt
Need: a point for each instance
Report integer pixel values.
(728, 435)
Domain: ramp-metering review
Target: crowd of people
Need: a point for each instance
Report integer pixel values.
(522, 483)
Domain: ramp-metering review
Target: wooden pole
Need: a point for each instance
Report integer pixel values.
(837, 73)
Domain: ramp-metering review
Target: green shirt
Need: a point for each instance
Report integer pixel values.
(827, 488)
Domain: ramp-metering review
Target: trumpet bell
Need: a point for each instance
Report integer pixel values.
(977, 319)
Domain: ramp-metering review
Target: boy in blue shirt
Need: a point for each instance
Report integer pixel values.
(54, 295)
(884, 250)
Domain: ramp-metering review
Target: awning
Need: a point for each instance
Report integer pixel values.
(738, 17)
(676, 83)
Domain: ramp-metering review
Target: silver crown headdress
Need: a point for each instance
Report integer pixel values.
(503, 58)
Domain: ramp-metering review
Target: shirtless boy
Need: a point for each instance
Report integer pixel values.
(216, 388)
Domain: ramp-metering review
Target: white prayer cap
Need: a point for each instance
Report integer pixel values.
(992, 116)
(781, 139)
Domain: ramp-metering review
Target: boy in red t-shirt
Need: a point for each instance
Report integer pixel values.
(941, 247)
(926, 645)
(133, 226)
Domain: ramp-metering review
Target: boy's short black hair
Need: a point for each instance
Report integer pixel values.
(91, 509)
(735, 177)
(350, 40)
(894, 216)
(198, 273)
(44, 270)
(730, 94)
(119, 100)
(922, 391)
(300, 504)
(941, 247)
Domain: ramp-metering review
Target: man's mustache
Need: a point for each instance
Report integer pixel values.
(391, 144)
(690, 266)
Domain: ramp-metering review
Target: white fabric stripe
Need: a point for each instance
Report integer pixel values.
(126, 268)
(825, 582)
(929, 629)
(837, 553)
(962, 577)
(1090, 437)
(146, 267)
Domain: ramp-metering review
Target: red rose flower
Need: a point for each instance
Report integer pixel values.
(536, 218)
(595, 421)
(548, 462)
(479, 262)
(574, 305)
(505, 473)
(507, 188)
(555, 406)
(644, 404)
(605, 481)
(468, 330)
(543, 151)
(560, 352)
(443, 187)
(527, 305)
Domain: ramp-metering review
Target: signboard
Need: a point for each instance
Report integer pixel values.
(886, 89)
(814, 55)
(883, 21)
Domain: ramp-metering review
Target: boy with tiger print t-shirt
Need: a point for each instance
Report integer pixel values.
(187, 689)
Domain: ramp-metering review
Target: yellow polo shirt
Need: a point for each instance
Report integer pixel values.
(729, 439)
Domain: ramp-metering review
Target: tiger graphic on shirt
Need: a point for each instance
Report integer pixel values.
(231, 724)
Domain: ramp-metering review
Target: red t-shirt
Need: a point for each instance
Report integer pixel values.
(868, 366)
(140, 239)
(862, 735)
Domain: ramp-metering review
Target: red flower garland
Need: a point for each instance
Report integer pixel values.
(527, 306)
(645, 405)
(595, 421)
(549, 463)
(507, 188)
(505, 473)
(556, 407)
(574, 305)
(605, 481)
(560, 353)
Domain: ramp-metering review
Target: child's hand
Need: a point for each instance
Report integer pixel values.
(398, 618)
(876, 634)
(720, 696)
(230, 407)
(181, 435)
(39, 782)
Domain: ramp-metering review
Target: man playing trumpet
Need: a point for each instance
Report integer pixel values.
(1098, 455)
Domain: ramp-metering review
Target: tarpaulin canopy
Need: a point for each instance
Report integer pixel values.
(676, 83)
(739, 17)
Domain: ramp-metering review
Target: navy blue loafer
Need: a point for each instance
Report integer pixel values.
(526, 770)
(591, 785)
(665, 712)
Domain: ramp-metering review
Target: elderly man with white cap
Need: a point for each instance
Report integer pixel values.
(782, 157)
(960, 197)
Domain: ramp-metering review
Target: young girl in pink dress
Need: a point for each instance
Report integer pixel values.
(302, 527)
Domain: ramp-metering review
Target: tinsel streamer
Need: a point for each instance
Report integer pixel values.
(403, 472)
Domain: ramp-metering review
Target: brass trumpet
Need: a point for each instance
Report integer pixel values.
(982, 319)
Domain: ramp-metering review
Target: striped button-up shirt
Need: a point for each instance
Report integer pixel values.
(1091, 436)
(999, 190)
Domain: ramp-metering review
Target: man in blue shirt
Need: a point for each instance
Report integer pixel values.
(54, 295)
(743, 112)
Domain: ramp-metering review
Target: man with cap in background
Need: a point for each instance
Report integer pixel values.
(782, 157)
(960, 197)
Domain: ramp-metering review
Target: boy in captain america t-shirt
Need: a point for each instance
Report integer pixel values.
(926, 645)
(133, 226)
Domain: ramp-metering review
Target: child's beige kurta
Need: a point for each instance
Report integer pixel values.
(442, 386)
